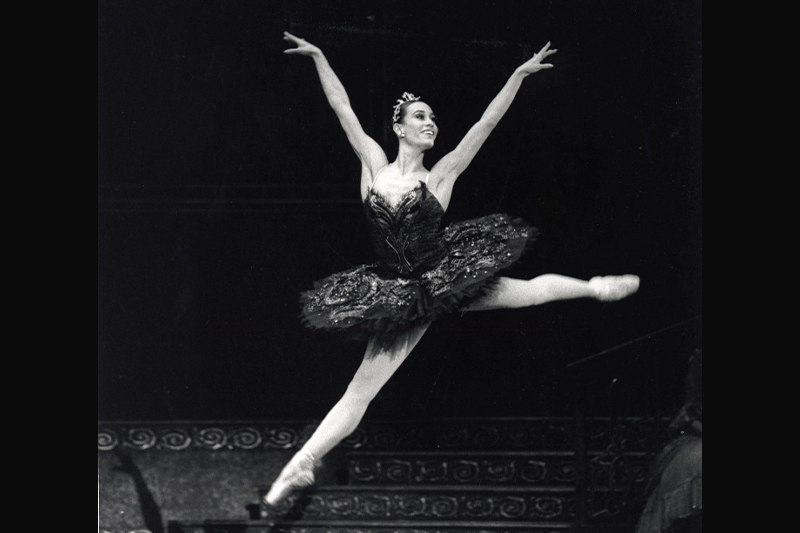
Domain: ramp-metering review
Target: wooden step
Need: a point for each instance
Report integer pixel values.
(415, 503)
(312, 526)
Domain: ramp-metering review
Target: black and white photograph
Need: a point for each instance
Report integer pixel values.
(394, 266)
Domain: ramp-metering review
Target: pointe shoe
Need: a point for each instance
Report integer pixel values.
(613, 288)
(297, 474)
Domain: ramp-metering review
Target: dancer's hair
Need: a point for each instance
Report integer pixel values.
(402, 104)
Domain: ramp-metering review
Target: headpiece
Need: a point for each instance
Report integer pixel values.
(407, 97)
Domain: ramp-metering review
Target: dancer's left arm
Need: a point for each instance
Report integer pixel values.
(449, 167)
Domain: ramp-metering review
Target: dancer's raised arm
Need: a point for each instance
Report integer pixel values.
(449, 167)
(369, 152)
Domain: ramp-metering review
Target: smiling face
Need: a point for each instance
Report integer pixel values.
(417, 125)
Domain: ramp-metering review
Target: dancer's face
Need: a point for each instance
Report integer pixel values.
(419, 124)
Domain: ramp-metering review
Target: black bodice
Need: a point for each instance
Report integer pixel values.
(407, 237)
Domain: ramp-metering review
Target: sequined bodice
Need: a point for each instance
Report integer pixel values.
(407, 236)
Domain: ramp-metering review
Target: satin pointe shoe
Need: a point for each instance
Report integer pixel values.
(297, 474)
(613, 288)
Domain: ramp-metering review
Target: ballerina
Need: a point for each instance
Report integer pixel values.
(423, 270)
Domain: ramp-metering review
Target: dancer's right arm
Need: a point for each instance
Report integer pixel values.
(369, 152)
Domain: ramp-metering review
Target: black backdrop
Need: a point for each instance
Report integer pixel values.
(226, 187)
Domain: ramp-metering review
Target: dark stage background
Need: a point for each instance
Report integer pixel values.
(226, 187)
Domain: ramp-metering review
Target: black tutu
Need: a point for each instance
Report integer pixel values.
(423, 272)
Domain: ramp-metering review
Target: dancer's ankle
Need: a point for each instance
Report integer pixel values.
(305, 458)
(612, 288)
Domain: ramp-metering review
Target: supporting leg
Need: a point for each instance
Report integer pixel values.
(378, 365)
(515, 293)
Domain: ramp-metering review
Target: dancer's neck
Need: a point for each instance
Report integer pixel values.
(408, 161)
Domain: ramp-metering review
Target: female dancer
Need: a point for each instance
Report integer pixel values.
(423, 271)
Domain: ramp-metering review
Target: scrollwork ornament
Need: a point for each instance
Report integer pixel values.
(281, 439)
(356, 440)
(533, 471)
(500, 471)
(141, 438)
(431, 471)
(444, 506)
(365, 470)
(547, 507)
(479, 506)
(466, 472)
(376, 506)
(106, 439)
(398, 471)
(342, 505)
(244, 438)
(175, 439)
(408, 506)
(212, 438)
(512, 507)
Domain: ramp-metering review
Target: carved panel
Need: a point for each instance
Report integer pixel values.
(178, 437)
(473, 469)
(501, 434)
(618, 470)
(498, 505)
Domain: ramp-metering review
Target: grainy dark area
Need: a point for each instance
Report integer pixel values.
(226, 187)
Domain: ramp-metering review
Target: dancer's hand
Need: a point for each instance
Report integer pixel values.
(535, 64)
(304, 47)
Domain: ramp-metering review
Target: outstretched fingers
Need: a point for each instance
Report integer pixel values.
(535, 64)
(545, 52)
(545, 49)
(297, 41)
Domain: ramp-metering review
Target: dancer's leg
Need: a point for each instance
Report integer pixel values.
(378, 365)
(514, 293)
